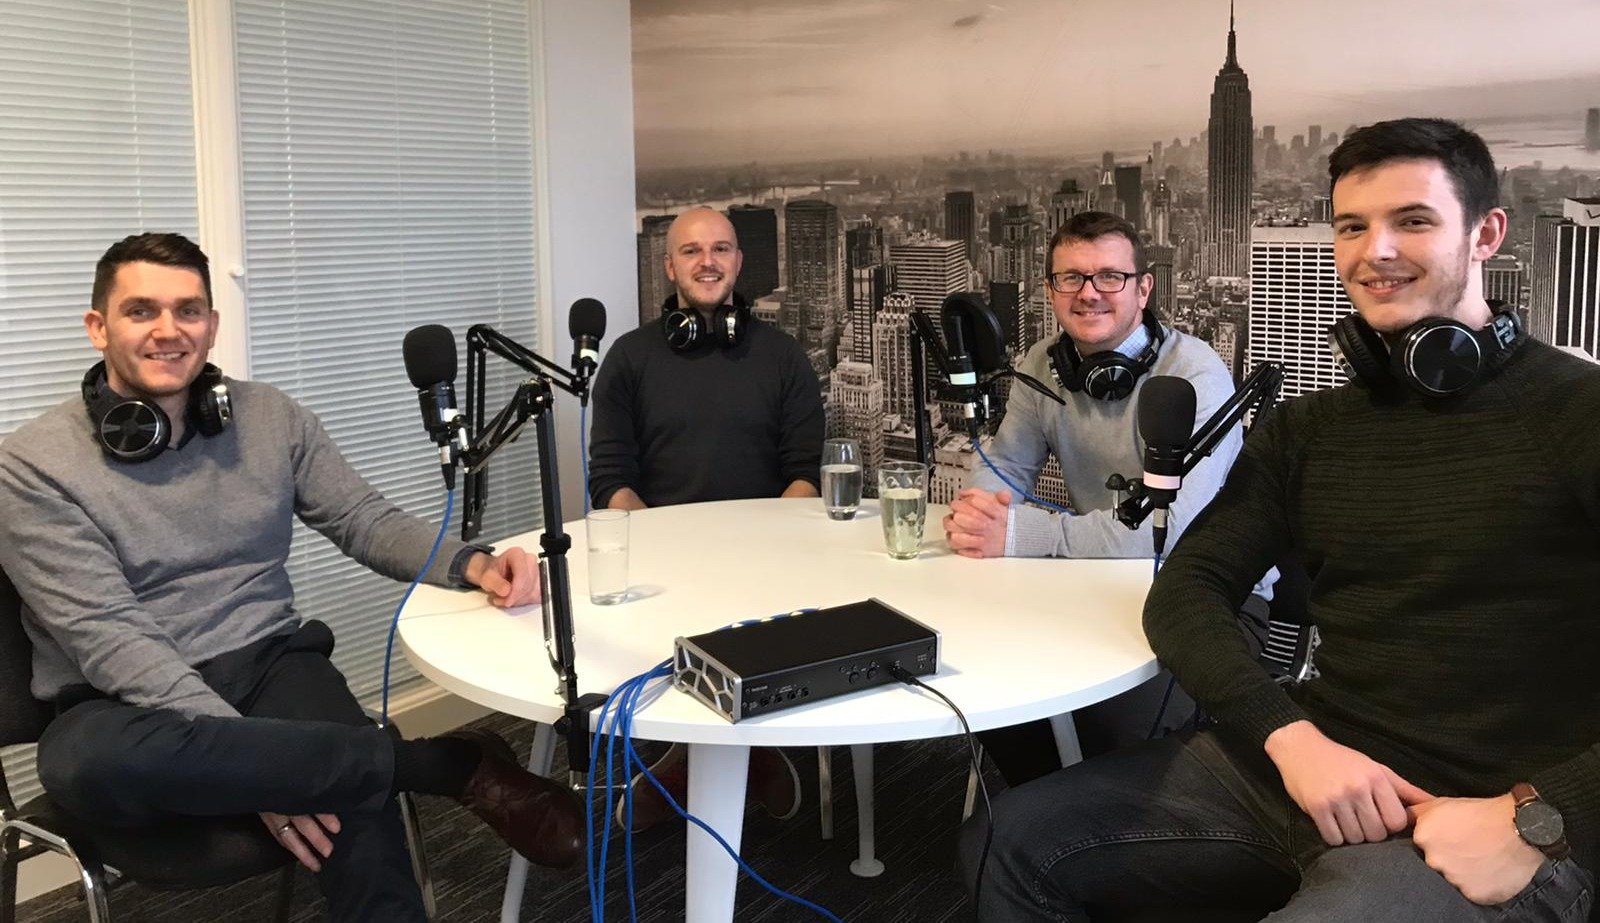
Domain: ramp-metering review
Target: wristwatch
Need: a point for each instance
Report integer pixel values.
(1539, 824)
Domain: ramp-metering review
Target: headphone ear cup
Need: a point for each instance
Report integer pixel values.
(1064, 363)
(729, 326)
(683, 328)
(127, 429)
(1360, 352)
(1110, 376)
(1437, 357)
(211, 407)
(134, 430)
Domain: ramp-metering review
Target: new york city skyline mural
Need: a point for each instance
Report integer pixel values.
(878, 155)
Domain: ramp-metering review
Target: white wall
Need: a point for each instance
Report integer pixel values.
(586, 194)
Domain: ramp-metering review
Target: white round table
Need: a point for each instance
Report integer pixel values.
(1021, 639)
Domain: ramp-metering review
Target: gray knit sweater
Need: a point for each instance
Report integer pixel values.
(131, 574)
(1095, 439)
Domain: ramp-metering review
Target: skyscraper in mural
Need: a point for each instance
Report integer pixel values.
(1064, 203)
(815, 245)
(1230, 176)
(961, 221)
(928, 269)
(1129, 180)
(855, 411)
(756, 226)
(869, 282)
(1573, 252)
(1295, 296)
(654, 287)
(891, 353)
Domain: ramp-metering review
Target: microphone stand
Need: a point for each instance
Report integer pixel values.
(533, 400)
(1258, 390)
(924, 333)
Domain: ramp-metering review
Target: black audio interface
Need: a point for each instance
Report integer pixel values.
(756, 669)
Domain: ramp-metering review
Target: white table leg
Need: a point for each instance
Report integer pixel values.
(825, 790)
(866, 865)
(716, 796)
(1066, 739)
(540, 758)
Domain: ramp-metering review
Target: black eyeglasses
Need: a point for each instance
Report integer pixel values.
(1106, 281)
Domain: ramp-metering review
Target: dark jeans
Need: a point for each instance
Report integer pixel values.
(304, 747)
(1155, 708)
(1193, 828)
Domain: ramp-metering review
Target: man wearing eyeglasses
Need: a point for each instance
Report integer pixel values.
(1110, 345)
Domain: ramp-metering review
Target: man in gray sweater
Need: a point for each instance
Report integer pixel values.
(148, 541)
(1110, 345)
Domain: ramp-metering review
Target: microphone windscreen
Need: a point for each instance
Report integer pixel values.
(1166, 411)
(969, 315)
(587, 318)
(430, 352)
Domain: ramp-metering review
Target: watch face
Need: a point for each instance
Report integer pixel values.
(1539, 824)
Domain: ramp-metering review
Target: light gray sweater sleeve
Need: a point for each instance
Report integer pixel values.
(336, 501)
(70, 577)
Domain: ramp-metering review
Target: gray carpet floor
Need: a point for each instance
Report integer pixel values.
(920, 787)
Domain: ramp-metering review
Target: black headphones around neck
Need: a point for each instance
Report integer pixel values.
(131, 429)
(1106, 375)
(1435, 357)
(686, 328)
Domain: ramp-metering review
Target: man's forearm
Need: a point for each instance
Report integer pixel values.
(800, 487)
(623, 498)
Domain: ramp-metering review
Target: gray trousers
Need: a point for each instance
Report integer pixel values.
(1191, 828)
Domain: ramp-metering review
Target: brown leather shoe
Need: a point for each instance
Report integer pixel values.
(772, 780)
(538, 817)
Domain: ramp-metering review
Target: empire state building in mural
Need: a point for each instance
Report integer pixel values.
(1229, 170)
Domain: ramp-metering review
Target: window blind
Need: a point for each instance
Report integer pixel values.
(388, 183)
(96, 143)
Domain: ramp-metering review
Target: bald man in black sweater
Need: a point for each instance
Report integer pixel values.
(1444, 766)
(709, 404)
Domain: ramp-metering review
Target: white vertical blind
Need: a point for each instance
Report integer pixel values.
(388, 182)
(96, 143)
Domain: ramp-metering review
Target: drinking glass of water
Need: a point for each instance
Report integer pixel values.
(903, 500)
(608, 556)
(841, 477)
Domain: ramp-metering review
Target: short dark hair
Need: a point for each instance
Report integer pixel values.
(164, 249)
(1093, 226)
(1464, 156)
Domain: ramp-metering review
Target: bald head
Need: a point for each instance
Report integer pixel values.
(703, 258)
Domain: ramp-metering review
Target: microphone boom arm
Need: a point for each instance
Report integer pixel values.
(1258, 390)
(533, 400)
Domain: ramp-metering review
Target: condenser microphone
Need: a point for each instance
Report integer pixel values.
(586, 324)
(430, 356)
(963, 377)
(1166, 421)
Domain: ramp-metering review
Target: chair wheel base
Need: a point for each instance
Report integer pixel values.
(866, 868)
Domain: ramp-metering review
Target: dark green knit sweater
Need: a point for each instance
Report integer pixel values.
(1454, 553)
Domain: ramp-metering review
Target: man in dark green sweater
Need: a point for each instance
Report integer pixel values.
(1447, 507)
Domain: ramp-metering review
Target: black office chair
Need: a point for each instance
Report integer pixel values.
(1291, 645)
(179, 855)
